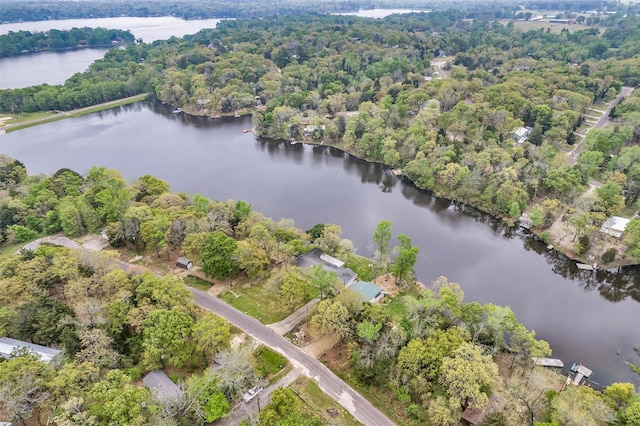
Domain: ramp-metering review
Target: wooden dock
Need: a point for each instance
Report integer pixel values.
(581, 372)
(585, 267)
(548, 362)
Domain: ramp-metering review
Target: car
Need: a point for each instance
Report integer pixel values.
(252, 393)
(585, 130)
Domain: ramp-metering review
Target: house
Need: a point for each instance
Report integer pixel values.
(521, 134)
(184, 263)
(9, 347)
(329, 263)
(162, 386)
(615, 226)
(370, 292)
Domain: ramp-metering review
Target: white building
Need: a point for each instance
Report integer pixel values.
(9, 347)
(615, 226)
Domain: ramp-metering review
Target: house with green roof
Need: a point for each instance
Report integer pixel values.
(370, 292)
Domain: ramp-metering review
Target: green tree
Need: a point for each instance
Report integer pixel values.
(332, 317)
(23, 387)
(116, 401)
(292, 292)
(381, 239)
(468, 375)
(406, 259)
(580, 405)
(204, 401)
(166, 338)
(217, 261)
(212, 333)
(323, 280)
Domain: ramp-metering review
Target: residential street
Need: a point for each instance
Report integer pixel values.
(333, 386)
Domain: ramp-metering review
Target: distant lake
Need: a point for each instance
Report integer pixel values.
(381, 13)
(57, 67)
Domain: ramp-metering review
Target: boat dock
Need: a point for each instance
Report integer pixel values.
(585, 267)
(581, 372)
(548, 362)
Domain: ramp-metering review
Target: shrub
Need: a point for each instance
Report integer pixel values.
(609, 255)
(583, 245)
(21, 234)
(545, 236)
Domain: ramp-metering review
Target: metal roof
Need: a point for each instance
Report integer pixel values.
(162, 386)
(8, 345)
(368, 290)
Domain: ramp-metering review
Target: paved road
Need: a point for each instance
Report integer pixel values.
(351, 400)
(604, 119)
(290, 322)
(438, 66)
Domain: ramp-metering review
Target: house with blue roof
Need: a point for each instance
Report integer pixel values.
(369, 291)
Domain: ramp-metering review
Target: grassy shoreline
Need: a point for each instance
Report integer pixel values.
(26, 122)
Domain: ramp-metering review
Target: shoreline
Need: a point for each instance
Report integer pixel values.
(61, 115)
(515, 224)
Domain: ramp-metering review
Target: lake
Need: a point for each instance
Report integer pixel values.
(57, 67)
(587, 318)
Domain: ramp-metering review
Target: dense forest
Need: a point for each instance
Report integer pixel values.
(427, 354)
(38, 10)
(16, 43)
(370, 88)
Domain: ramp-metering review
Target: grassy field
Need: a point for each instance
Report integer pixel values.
(260, 302)
(312, 395)
(196, 282)
(360, 265)
(537, 25)
(268, 362)
(23, 121)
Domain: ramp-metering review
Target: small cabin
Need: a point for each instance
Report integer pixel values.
(10, 347)
(184, 263)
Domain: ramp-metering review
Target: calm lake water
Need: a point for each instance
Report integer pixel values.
(57, 67)
(591, 319)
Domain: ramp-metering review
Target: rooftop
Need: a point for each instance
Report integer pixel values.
(615, 226)
(8, 345)
(162, 386)
(369, 291)
(315, 256)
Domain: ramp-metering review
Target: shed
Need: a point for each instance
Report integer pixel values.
(183, 262)
(474, 416)
(162, 386)
(332, 260)
(8, 348)
(615, 226)
(370, 292)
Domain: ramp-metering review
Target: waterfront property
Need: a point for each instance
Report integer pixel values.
(615, 226)
(10, 347)
(370, 292)
(329, 263)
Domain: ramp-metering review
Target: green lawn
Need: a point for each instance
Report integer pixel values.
(360, 265)
(396, 307)
(196, 282)
(258, 301)
(311, 393)
(10, 248)
(268, 362)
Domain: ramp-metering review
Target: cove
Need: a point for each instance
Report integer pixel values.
(586, 318)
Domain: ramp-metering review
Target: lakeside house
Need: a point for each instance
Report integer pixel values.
(10, 347)
(615, 226)
(162, 386)
(369, 291)
(329, 263)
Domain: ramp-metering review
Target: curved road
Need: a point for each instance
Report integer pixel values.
(331, 384)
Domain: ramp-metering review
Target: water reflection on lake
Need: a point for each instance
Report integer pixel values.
(588, 318)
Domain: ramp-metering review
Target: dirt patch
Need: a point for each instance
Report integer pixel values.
(336, 358)
(321, 346)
